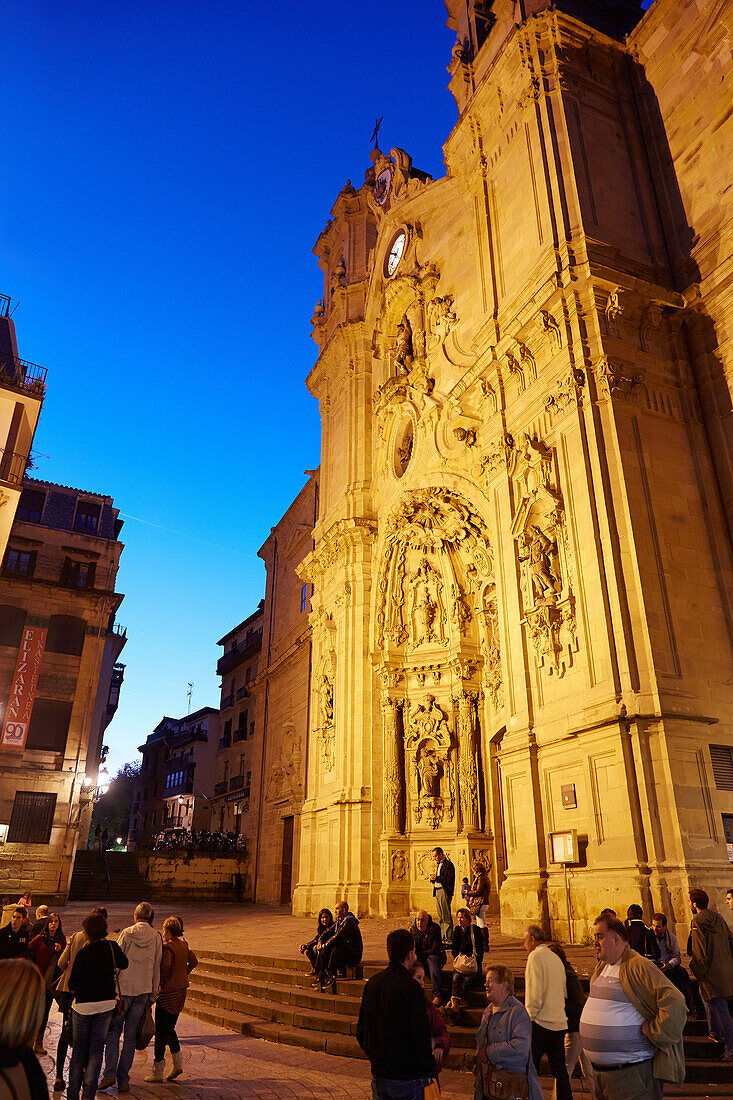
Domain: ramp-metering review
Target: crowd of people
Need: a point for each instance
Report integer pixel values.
(198, 840)
(626, 1033)
(105, 989)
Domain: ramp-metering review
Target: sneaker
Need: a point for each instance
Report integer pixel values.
(316, 984)
(107, 1081)
(328, 982)
(59, 1084)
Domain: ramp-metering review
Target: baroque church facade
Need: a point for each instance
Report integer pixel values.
(521, 567)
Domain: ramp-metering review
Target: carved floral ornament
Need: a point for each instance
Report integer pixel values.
(540, 531)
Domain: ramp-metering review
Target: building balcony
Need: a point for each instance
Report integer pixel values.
(225, 741)
(240, 734)
(184, 787)
(19, 374)
(227, 701)
(246, 649)
(236, 783)
(220, 788)
(241, 693)
(12, 467)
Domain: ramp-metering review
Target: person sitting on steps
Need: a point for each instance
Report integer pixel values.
(324, 930)
(342, 950)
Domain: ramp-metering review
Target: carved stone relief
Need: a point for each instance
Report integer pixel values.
(399, 865)
(539, 529)
(429, 765)
(326, 727)
(286, 781)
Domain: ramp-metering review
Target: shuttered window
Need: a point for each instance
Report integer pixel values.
(32, 818)
(722, 759)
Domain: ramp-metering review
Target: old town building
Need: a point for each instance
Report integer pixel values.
(282, 693)
(58, 656)
(22, 388)
(237, 666)
(522, 627)
(176, 783)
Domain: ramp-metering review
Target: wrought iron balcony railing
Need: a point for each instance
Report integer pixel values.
(12, 467)
(220, 788)
(22, 375)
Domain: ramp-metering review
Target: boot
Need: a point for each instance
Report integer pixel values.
(177, 1066)
(157, 1072)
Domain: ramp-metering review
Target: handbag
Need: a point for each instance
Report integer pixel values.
(119, 1003)
(145, 1028)
(500, 1085)
(432, 1089)
(467, 964)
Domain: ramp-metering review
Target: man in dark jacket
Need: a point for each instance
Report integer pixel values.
(429, 951)
(393, 1029)
(641, 938)
(444, 883)
(710, 947)
(343, 949)
(15, 937)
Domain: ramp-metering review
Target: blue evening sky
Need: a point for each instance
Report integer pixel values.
(168, 167)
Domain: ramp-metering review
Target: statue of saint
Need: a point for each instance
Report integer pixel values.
(539, 549)
(430, 770)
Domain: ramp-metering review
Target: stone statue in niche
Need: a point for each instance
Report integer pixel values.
(326, 730)
(539, 552)
(430, 771)
(325, 703)
(403, 349)
(427, 612)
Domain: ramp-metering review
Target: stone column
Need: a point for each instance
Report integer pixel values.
(393, 786)
(467, 763)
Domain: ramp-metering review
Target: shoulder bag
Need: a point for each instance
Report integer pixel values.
(467, 964)
(119, 1003)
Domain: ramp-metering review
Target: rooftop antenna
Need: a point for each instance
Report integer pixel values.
(189, 693)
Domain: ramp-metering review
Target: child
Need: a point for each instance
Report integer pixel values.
(465, 887)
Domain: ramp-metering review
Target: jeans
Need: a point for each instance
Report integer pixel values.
(435, 971)
(574, 1053)
(86, 1054)
(114, 1061)
(461, 982)
(552, 1043)
(165, 1032)
(311, 956)
(445, 917)
(386, 1088)
(719, 1021)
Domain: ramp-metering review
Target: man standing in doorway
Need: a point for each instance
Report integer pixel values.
(444, 883)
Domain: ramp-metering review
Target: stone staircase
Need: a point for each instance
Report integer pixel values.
(108, 876)
(272, 999)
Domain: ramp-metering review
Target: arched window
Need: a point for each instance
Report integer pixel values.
(12, 621)
(66, 635)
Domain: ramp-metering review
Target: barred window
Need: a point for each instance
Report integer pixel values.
(32, 818)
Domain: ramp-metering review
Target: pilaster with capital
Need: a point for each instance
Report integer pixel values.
(393, 782)
(467, 762)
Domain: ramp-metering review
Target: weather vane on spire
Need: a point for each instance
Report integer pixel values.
(375, 132)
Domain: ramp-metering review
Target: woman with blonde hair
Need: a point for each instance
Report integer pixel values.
(22, 1003)
(176, 963)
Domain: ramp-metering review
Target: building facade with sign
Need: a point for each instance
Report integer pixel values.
(59, 678)
(522, 613)
(22, 389)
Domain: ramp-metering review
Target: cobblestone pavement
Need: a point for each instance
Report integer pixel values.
(220, 1065)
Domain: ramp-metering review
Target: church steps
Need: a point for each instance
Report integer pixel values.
(272, 999)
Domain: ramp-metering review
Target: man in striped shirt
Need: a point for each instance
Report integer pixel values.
(632, 1023)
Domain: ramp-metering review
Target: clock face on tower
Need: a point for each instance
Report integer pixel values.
(381, 187)
(396, 250)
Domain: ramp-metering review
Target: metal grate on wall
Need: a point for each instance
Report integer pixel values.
(32, 818)
(722, 760)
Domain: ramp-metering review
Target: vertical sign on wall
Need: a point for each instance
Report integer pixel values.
(23, 688)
